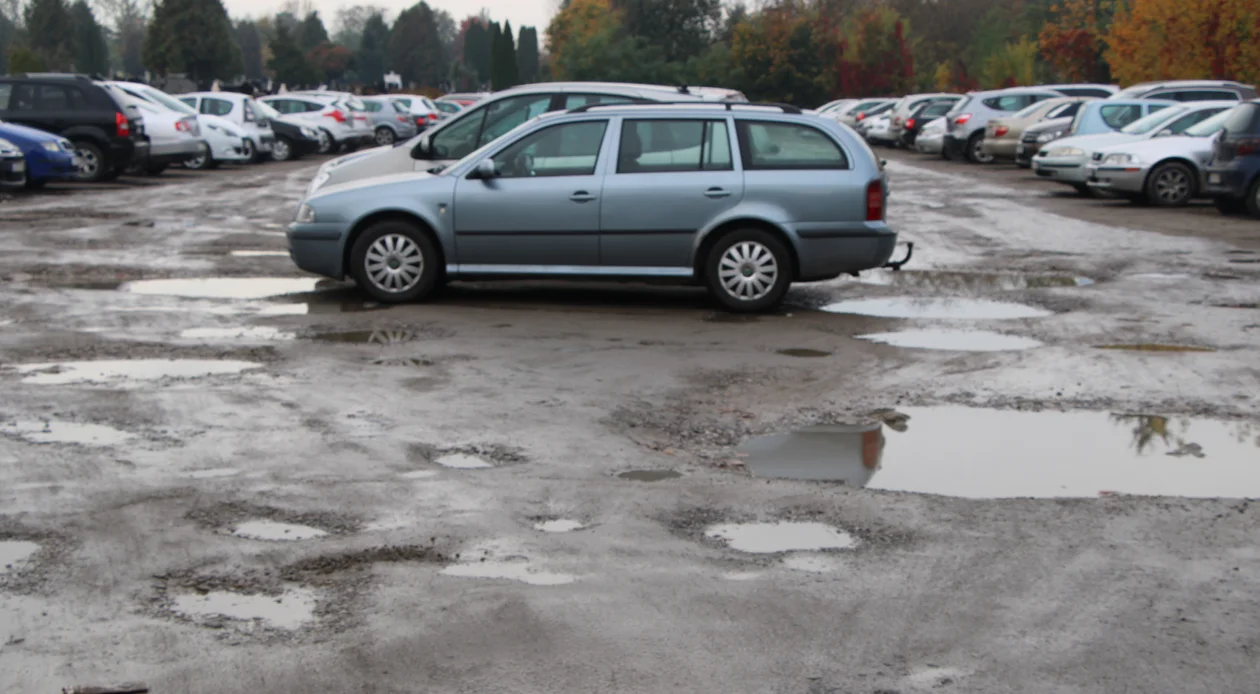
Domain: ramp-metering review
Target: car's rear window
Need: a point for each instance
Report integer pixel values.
(1244, 120)
(1118, 116)
(768, 145)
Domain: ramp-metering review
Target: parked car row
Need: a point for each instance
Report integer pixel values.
(1161, 143)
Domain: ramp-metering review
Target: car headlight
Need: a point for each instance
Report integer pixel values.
(8, 148)
(309, 133)
(318, 182)
(1050, 136)
(305, 214)
(51, 146)
(1120, 160)
(1066, 152)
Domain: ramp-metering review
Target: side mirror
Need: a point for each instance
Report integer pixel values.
(485, 170)
(421, 150)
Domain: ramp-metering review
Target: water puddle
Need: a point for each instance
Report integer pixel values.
(366, 337)
(937, 308)
(114, 370)
(223, 287)
(979, 453)
(1159, 276)
(743, 575)
(261, 333)
(559, 525)
(781, 536)
(953, 340)
(260, 254)
(1156, 347)
(15, 553)
(214, 473)
(290, 610)
(803, 352)
(419, 474)
(957, 281)
(463, 461)
(52, 431)
(508, 571)
(275, 531)
(649, 475)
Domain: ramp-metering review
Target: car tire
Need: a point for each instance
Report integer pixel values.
(36, 183)
(326, 142)
(975, 149)
(395, 262)
(1253, 198)
(282, 149)
(1170, 185)
(1229, 206)
(250, 151)
(738, 266)
(385, 136)
(93, 166)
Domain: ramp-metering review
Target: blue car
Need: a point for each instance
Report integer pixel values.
(1232, 177)
(48, 157)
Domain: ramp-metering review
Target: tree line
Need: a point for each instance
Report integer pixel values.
(426, 47)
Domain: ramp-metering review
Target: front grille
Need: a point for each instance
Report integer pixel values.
(1030, 137)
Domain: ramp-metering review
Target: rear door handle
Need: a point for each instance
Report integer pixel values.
(581, 196)
(717, 193)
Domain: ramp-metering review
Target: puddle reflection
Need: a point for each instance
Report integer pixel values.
(940, 308)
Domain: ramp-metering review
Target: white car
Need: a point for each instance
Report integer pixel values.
(173, 136)
(225, 142)
(339, 126)
(931, 139)
(424, 109)
(878, 130)
(1162, 171)
(242, 111)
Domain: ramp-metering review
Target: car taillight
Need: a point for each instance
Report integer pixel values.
(1001, 130)
(122, 127)
(861, 116)
(875, 201)
(182, 126)
(336, 115)
(962, 119)
(910, 123)
(1246, 147)
(401, 119)
(432, 117)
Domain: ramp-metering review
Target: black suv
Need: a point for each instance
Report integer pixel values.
(107, 139)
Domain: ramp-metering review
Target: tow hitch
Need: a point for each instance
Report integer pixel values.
(895, 265)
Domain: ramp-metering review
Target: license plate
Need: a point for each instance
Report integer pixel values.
(1214, 179)
(19, 166)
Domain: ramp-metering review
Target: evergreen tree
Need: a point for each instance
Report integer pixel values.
(8, 31)
(415, 48)
(505, 60)
(250, 43)
(287, 61)
(193, 37)
(49, 33)
(91, 54)
(370, 58)
(527, 55)
(495, 46)
(311, 33)
(477, 51)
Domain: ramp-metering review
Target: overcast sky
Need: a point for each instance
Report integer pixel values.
(536, 13)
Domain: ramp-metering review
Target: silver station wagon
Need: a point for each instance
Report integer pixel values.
(742, 198)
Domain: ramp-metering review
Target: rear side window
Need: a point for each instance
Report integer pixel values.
(576, 100)
(649, 146)
(777, 146)
(1244, 120)
(1117, 117)
(191, 101)
(1007, 103)
(216, 107)
(54, 97)
(372, 106)
(936, 110)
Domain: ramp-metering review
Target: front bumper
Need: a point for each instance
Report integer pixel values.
(1224, 182)
(1024, 153)
(317, 248)
(1070, 170)
(13, 171)
(1117, 179)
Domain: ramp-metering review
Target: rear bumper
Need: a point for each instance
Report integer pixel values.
(829, 252)
(1224, 182)
(175, 152)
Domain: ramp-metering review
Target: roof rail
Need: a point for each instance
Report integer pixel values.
(786, 108)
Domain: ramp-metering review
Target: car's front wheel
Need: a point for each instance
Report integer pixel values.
(385, 136)
(748, 270)
(326, 142)
(393, 261)
(281, 150)
(1170, 185)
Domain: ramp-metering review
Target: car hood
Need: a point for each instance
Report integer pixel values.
(1050, 125)
(1161, 147)
(1091, 143)
(19, 133)
(379, 184)
(376, 162)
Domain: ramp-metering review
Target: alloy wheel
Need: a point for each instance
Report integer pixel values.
(325, 142)
(748, 270)
(88, 164)
(280, 150)
(384, 136)
(1172, 186)
(394, 263)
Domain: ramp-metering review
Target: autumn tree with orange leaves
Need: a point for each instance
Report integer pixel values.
(1073, 42)
(1186, 39)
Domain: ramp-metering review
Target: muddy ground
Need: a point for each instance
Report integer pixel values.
(328, 495)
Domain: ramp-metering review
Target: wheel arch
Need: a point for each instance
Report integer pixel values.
(1194, 173)
(397, 215)
(710, 238)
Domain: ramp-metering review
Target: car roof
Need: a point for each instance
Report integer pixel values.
(692, 107)
(1186, 83)
(230, 96)
(619, 87)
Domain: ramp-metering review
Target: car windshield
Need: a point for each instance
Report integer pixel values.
(1210, 126)
(494, 144)
(1142, 126)
(266, 110)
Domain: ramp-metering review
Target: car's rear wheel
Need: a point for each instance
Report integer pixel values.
(281, 150)
(393, 261)
(385, 136)
(326, 142)
(92, 164)
(975, 150)
(748, 270)
(1170, 185)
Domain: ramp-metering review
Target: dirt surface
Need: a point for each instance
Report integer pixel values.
(422, 444)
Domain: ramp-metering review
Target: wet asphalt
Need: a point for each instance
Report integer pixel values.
(1023, 464)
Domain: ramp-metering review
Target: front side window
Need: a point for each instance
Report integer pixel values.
(1065, 110)
(24, 98)
(649, 146)
(777, 146)
(1117, 117)
(6, 91)
(568, 149)
(1209, 126)
(458, 139)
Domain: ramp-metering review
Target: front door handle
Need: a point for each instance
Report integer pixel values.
(717, 193)
(581, 196)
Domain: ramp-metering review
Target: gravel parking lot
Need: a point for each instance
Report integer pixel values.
(218, 474)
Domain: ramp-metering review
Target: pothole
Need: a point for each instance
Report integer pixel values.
(937, 308)
(519, 571)
(467, 457)
(1156, 347)
(953, 340)
(954, 281)
(55, 431)
(223, 287)
(292, 609)
(780, 536)
(113, 371)
(16, 554)
(276, 531)
(261, 333)
(463, 461)
(559, 525)
(803, 352)
(649, 475)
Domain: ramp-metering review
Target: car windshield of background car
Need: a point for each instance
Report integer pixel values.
(1210, 126)
(1142, 126)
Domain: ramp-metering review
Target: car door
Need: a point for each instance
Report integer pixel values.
(670, 177)
(541, 210)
